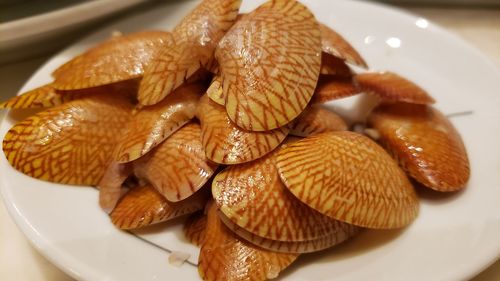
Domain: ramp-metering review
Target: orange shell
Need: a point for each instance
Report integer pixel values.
(206, 23)
(175, 64)
(392, 87)
(178, 167)
(143, 206)
(342, 232)
(118, 59)
(269, 76)
(226, 143)
(315, 120)
(425, 143)
(194, 228)
(71, 143)
(335, 45)
(348, 177)
(253, 197)
(331, 65)
(225, 256)
(214, 92)
(332, 88)
(153, 124)
(44, 96)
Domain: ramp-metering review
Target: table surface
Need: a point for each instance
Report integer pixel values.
(20, 261)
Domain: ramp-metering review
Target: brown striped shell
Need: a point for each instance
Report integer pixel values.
(214, 92)
(152, 124)
(194, 228)
(331, 65)
(143, 206)
(225, 256)
(334, 44)
(332, 88)
(226, 143)
(392, 87)
(315, 120)
(425, 143)
(178, 167)
(270, 74)
(253, 197)
(71, 143)
(348, 177)
(342, 232)
(118, 59)
(195, 39)
(43, 96)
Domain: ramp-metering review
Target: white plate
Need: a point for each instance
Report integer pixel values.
(454, 238)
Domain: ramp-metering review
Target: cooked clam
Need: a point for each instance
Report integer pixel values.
(71, 143)
(143, 206)
(178, 167)
(270, 62)
(118, 59)
(316, 120)
(226, 143)
(150, 125)
(425, 143)
(348, 177)
(334, 44)
(390, 86)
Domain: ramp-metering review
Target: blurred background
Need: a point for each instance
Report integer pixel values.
(31, 31)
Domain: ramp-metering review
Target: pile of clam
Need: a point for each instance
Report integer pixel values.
(222, 118)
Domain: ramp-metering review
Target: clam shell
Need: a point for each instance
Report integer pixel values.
(331, 65)
(71, 143)
(152, 124)
(334, 44)
(225, 256)
(143, 206)
(392, 87)
(253, 197)
(348, 177)
(226, 143)
(425, 143)
(270, 62)
(178, 167)
(43, 96)
(194, 228)
(214, 92)
(332, 88)
(118, 59)
(343, 232)
(315, 120)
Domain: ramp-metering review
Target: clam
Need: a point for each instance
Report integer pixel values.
(331, 65)
(118, 59)
(334, 44)
(343, 232)
(143, 206)
(392, 87)
(316, 120)
(178, 167)
(225, 256)
(332, 87)
(150, 125)
(110, 185)
(226, 143)
(40, 97)
(195, 38)
(71, 143)
(348, 177)
(270, 62)
(425, 143)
